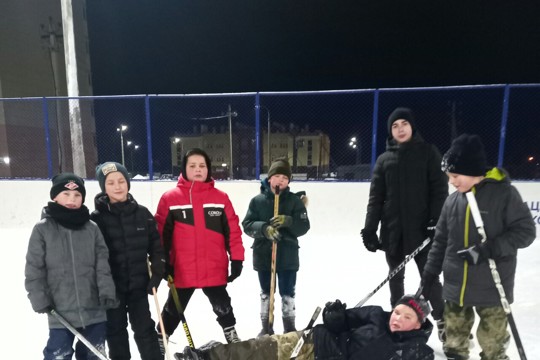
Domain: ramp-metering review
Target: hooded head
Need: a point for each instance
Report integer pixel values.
(103, 170)
(197, 151)
(466, 156)
(418, 304)
(401, 113)
(67, 181)
(280, 166)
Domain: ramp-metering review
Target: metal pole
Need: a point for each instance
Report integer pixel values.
(122, 143)
(229, 113)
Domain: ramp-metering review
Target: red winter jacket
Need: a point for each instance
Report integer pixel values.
(198, 227)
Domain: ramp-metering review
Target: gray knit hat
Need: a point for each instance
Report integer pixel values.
(280, 166)
(418, 304)
(106, 168)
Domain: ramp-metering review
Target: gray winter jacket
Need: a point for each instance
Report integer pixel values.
(69, 271)
(509, 226)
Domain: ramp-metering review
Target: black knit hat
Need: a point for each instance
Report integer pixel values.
(401, 113)
(418, 304)
(466, 156)
(197, 151)
(280, 166)
(106, 168)
(67, 181)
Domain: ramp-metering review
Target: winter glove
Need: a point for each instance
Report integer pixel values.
(108, 303)
(476, 254)
(46, 310)
(153, 283)
(236, 270)
(334, 317)
(428, 279)
(169, 270)
(430, 229)
(271, 233)
(281, 221)
(371, 240)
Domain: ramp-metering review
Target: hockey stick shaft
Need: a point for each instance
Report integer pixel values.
(395, 271)
(180, 310)
(78, 335)
(158, 311)
(477, 217)
(273, 267)
(305, 333)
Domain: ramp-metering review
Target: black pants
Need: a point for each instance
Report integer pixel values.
(397, 282)
(134, 304)
(218, 296)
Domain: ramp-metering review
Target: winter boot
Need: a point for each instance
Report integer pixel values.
(230, 335)
(161, 344)
(289, 311)
(265, 308)
(441, 331)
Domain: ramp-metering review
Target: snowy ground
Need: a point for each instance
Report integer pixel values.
(331, 268)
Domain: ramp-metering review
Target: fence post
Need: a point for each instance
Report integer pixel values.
(504, 121)
(47, 137)
(149, 137)
(374, 133)
(258, 158)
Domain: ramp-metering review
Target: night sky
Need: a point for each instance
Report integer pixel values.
(207, 46)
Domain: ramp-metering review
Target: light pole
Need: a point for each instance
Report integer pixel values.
(268, 134)
(121, 129)
(355, 144)
(131, 150)
(174, 154)
(230, 114)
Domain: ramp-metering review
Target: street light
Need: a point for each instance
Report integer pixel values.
(131, 150)
(268, 134)
(6, 160)
(121, 129)
(355, 144)
(174, 155)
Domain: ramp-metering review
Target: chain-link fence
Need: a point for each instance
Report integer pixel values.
(326, 135)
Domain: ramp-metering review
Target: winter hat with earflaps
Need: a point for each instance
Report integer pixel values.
(67, 181)
(466, 156)
(418, 304)
(109, 167)
(280, 166)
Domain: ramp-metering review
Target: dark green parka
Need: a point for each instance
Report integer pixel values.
(260, 211)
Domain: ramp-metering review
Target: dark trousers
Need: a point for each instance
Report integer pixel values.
(136, 306)
(60, 343)
(286, 281)
(397, 282)
(219, 299)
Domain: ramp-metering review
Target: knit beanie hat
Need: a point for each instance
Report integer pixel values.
(106, 168)
(401, 113)
(67, 181)
(466, 156)
(197, 151)
(418, 304)
(280, 166)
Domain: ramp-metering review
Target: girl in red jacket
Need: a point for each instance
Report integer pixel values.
(200, 232)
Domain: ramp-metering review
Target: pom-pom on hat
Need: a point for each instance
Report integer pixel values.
(401, 113)
(418, 304)
(466, 156)
(106, 168)
(280, 166)
(67, 181)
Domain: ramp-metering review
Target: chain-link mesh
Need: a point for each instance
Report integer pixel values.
(329, 135)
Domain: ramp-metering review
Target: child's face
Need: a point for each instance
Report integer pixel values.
(403, 318)
(278, 180)
(401, 131)
(463, 183)
(196, 169)
(72, 199)
(116, 187)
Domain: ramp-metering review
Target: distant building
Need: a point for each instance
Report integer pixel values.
(32, 65)
(307, 151)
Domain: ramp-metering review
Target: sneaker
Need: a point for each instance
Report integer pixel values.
(230, 335)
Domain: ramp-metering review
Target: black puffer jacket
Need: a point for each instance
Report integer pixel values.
(407, 190)
(130, 232)
(260, 211)
(368, 337)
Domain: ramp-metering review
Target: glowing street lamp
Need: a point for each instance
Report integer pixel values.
(121, 129)
(355, 144)
(6, 160)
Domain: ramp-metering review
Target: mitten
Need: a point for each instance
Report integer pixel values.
(169, 270)
(334, 317)
(281, 221)
(271, 233)
(428, 279)
(153, 283)
(236, 270)
(47, 309)
(371, 240)
(430, 229)
(108, 303)
(476, 254)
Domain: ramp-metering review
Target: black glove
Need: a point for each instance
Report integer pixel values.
(46, 310)
(476, 254)
(271, 233)
(236, 270)
(153, 283)
(108, 303)
(371, 240)
(169, 270)
(428, 279)
(334, 317)
(430, 229)
(281, 221)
